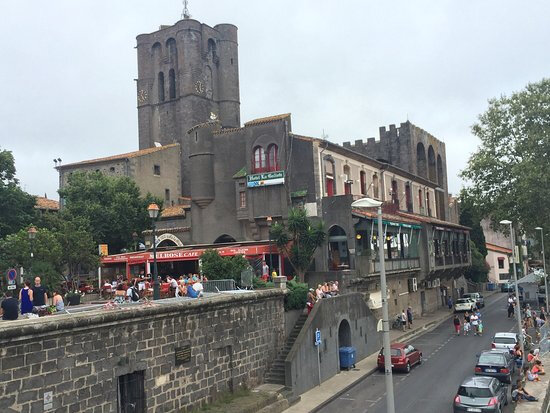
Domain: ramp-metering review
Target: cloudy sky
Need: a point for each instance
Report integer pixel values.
(343, 67)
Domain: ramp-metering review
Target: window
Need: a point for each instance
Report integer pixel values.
(259, 159)
(428, 204)
(363, 182)
(156, 170)
(375, 193)
(408, 197)
(172, 83)
(242, 199)
(394, 192)
(272, 158)
(500, 263)
(347, 180)
(161, 86)
(167, 195)
(330, 186)
(131, 393)
(420, 203)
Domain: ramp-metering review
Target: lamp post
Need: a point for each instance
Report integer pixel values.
(153, 210)
(32, 235)
(269, 220)
(544, 265)
(518, 310)
(371, 203)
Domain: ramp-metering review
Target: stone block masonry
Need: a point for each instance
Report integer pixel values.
(84, 359)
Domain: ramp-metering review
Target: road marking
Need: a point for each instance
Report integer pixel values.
(346, 398)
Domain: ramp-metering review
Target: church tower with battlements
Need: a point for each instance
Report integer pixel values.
(187, 73)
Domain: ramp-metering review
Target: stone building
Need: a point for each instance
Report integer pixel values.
(155, 170)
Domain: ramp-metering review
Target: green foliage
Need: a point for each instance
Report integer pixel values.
(258, 284)
(470, 217)
(297, 295)
(508, 174)
(479, 269)
(16, 206)
(299, 239)
(113, 207)
(216, 267)
(79, 250)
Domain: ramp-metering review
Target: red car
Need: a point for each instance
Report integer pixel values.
(403, 357)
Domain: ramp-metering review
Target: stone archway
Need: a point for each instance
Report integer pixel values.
(344, 334)
(224, 239)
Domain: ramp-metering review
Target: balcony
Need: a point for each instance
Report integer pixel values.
(401, 264)
(452, 260)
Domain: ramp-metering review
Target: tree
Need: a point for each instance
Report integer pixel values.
(470, 217)
(298, 239)
(113, 207)
(216, 267)
(508, 174)
(478, 271)
(79, 250)
(16, 206)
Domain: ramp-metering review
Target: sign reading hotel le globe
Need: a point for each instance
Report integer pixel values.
(265, 179)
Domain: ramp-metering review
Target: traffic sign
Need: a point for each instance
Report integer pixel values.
(317, 337)
(12, 274)
(11, 287)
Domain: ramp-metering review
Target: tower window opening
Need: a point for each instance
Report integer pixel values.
(172, 83)
(161, 86)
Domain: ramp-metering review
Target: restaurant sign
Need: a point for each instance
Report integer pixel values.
(265, 179)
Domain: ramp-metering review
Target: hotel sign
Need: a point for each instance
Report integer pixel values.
(265, 179)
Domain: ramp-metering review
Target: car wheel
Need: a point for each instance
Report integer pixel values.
(408, 367)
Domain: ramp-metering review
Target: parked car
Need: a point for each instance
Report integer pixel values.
(480, 394)
(497, 363)
(504, 341)
(403, 357)
(465, 304)
(477, 297)
(507, 288)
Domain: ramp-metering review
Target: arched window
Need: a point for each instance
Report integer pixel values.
(172, 50)
(161, 86)
(363, 182)
(330, 184)
(157, 53)
(347, 180)
(172, 83)
(212, 49)
(272, 157)
(440, 171)
(421, 160)
(259, 159)
(375, 192)
(432, 176)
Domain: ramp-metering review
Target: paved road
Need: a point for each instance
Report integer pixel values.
(431, 387)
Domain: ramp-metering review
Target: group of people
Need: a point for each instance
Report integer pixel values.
(31, 298)
(471, 322)
(325, 290)
(406, 318)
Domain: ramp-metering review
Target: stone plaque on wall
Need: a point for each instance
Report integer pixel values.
(183, 354)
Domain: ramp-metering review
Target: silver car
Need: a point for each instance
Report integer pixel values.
(480, 394)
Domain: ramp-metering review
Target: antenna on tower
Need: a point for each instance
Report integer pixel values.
(185, 14)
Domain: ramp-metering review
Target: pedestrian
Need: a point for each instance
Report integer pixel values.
(466, 323)
(474, 321)
(510, 309)
(9, 308)
(39, 293)
(480, 327)
(409, 316)
(528, 316)
(450, 303)
(456, 322)
(403, 320)
(25, 297)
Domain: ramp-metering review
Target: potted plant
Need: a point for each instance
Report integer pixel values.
(73, 297)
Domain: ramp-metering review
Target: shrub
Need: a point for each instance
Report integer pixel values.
(297, 295)
(259, 284)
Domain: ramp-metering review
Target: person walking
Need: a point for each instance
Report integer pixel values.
(466, 323)
(403, 320)
(409, 316)
(456, 322)
(474, 321)
(25, 297)
(510, 309)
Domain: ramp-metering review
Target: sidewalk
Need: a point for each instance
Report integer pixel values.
(314, 399)
(317, 397)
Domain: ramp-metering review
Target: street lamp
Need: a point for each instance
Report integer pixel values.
(372, 203)
(518, 311)
(32, 235)
(544, 265)
(269, 220)
(153, 210)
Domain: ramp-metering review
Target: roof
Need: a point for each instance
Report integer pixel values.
(385, 216)
(47, 204)
(241, 173)
(122, 156)
(268, 119)
(173, 211)
(496, 248)
(511, 335)
(432, 220)
(398, 345)
(531, 278)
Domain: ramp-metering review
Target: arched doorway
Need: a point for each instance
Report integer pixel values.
(344, 334)
(166, 243)
(224, 239)
(338, 254)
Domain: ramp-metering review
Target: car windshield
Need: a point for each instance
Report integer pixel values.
(504, 340)
(474, 392)
(491, 359)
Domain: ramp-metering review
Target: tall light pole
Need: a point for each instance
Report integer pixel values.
(269, 220)
(32, 235)
(153, 210)
(544, 266)
(518, 310)
(372, 203)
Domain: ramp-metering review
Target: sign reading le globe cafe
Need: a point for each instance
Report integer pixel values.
(265, 179)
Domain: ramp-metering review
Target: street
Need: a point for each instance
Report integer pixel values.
(430, 387)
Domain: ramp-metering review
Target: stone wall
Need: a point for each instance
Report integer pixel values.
(80, 357)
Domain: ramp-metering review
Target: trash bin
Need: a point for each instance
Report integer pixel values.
(347, 357)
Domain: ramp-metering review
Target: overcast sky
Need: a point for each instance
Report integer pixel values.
(345, 67)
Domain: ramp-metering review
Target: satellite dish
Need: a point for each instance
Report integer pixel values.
(158, 145)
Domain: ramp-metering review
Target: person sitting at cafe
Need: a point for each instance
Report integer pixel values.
(58, 301)
(182, 289)
(120, 294)
(198, 288)
(191, 292)
(173, 285)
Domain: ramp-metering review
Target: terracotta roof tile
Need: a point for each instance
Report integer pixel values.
(47, 204)
(496, 248)
(259, 121)
(173, 211)
(128, 155)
